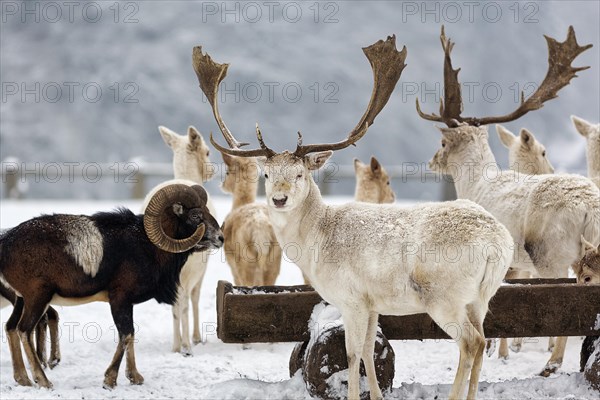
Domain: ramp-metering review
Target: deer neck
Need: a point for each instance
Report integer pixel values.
(593, 157)
(476, 162)
(187, 170)
(244, 193)
(302, 224)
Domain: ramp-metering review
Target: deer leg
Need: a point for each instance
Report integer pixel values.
(195, 297)
(54, 337)
(184, 304)
(367, 356)
(556, 358)
(516, 345)
(175, 309)
(503, 349)
(551, 343)
(448, 320)
(33, 309)
(356, 322)
(40, 340)
(14, 344)
(476, 314)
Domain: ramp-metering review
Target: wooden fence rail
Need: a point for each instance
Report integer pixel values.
(281, 313)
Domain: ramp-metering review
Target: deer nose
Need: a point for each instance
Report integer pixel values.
(221, 238)
(280, 202)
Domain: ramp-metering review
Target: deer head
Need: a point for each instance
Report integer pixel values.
(372, 183)
(587, 270)
(287, 174)
(190, 154)
(462, 130)
(525, 153)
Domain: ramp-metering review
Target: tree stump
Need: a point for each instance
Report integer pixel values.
(324, 365)
(590, 360)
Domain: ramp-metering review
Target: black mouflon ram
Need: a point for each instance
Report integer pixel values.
(117, 257)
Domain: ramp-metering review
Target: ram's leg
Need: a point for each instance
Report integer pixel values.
(33, 309)
(356, 322)
(367, 356)
(14, 344)
(122, 313)
(131, 369)
(54, 337)
(40, 340)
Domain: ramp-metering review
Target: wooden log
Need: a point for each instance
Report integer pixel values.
(281, 313)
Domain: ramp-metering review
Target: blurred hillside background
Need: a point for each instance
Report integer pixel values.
(89, 82)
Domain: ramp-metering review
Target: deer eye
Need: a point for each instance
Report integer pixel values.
(266, 176)
(208, 153)
(544, 153)
(298, 176)
(587, 279)
(443, 144)
(388, 183)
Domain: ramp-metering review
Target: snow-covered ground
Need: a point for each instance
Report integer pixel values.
(424, 370)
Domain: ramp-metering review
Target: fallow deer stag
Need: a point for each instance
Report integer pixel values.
(545, 214)
(366, 259)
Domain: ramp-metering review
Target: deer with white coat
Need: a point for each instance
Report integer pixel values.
(372, 183)
(525, 153)
(191, 166)
(545, 214)
(366, 259)
(591, 132)
(251, 248)
(527, 156)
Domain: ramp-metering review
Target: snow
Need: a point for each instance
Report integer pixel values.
(227, 371)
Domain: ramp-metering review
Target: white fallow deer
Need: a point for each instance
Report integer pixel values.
(191, 166)
(251, 248)
(372, 183)
(546, 214)
(527, 156)
(369, 259)
(591, 132)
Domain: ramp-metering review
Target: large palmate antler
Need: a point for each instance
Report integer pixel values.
(560, 72)
(387, 64)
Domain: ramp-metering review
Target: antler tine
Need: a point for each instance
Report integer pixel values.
(560, 72)
(263, 146)
(387, 64)
(210, 74)
(451, 106)
(238, 152)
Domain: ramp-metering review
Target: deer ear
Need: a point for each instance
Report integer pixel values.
(227, 159)
(583, 127)
(506, 137)
(527, 138)
(587, 246)
(195, 138)
(375, 166)
(357, 164)
(168, 136)
(315, 161)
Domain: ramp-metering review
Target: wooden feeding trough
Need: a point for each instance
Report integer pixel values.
(281, 314)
